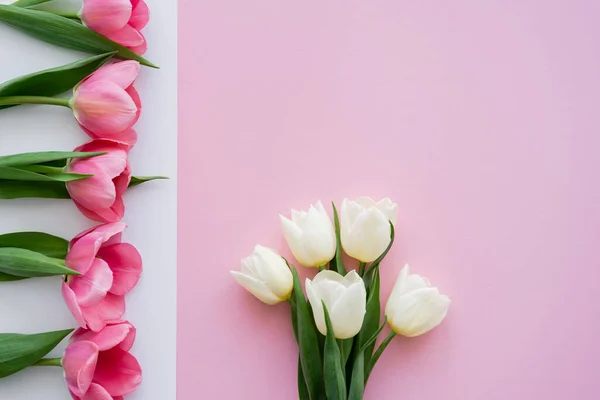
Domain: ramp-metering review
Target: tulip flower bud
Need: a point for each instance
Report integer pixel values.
(365, 227)
(414, 307)
(266, 275)
(310, 235)
(345, 298)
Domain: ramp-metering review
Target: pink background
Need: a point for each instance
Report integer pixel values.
(480, 118)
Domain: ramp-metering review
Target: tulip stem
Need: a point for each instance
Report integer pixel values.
(378, 353)
(361, 268)
(16, 100)
(49, 362)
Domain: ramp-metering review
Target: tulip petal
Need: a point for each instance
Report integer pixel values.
(348, 311)
(389, 209)
(140, 15)
(257, 288)
(317, 307)
(126, 265)
(111, 308)
(397, 290)
(107, 214)
(72, 305)
(135, 96)
(91, 288)
(140, 49)
(113, 335)
(118, 372)
(368, 237)
(123, 73)
(418, 312)
(273, 271)
(105, 16)
(96, 392)
(79, 363)
(97, 191)
(127, 36)
(104, 107)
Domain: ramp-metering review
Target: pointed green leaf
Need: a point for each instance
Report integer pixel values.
(333, 373)
(48, 245)
(21, 190)
(17, 174)
(15, 160)
(18, 351)
(29, 264)
(64, 32)
(310, 355)
(10, 278)
(372, 318)
(357, 384)
(138, 180)
(339, 262)
(55, 81)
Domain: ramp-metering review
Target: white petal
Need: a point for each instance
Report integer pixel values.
(389, 209)
(365, 202)
(348, 215)
(256, 287)
(294, 236)
(369, 236)
(348, 312)
(418, 312)
(397, 291)
(317, 307)
(352, 277)
(328, 275)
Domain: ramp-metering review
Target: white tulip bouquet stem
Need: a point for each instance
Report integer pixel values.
(337, 324)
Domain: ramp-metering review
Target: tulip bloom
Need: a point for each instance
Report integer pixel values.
(98, 365)
(414, 307)
(310, 235)
(345, 298)
(107, 105)
(109, 270)
(119, 20)
(365, 227)
(266, 275)
(100, 197)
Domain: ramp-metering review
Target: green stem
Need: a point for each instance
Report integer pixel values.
(361, 268)
(15, 100)
(322, 268)
(66, 14)
(379, 352)
(49, 362)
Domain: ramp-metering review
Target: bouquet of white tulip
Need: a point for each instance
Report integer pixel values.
(336, 328)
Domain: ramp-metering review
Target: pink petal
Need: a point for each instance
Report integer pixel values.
(140, 15)
(104, 145)
(126, 264)
(110, 309)
(118, 372)
(94, 216)
(111, 233)
(122, 181)
(79, 363)
(111, 214)
(72, 305)
(137, 100)
(84, 247)
(104, 107)
(127, 137)
(127, 36)
(91, 288)
(123, 73)
(121, 334)
(141, 49)
(96, 392)
(105, 16)
(95, 192)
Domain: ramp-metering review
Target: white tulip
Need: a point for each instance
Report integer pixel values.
(345, 299)
(310, 235)
(266, 275)
(414, 307)
(365, 227)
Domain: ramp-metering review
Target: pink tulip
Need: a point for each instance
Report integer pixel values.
(109, 270)
(119, 20)
(100, 197)
(107, 105)
(98, 365)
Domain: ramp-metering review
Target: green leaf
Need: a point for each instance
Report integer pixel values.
(64, 32)
(17, 174)
(357, 384)
(48, 245)
(29, 264)
(339, 262)
(28, 3)
(138, 180)
(310, 355)
(372, 318)
(55, 81)
(335, 382)
(14, 160)
(21, 190)
(302, 389)
(18, 351)
(10, 278)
